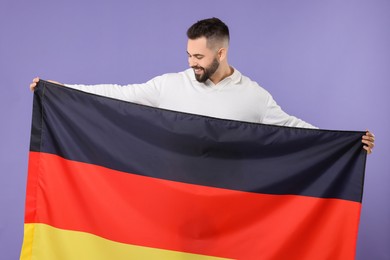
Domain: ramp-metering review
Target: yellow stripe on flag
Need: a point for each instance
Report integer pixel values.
(45, 242)
(27, 241)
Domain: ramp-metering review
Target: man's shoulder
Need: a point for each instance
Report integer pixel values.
(175, 75)
(171, 79)
(250, 83)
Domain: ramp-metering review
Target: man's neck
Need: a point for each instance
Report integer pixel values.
(223, 72)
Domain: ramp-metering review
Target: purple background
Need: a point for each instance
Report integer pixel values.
(326, 62)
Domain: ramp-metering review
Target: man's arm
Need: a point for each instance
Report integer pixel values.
(146, 94)
(275, 115)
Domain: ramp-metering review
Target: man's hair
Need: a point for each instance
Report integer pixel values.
(213, 29)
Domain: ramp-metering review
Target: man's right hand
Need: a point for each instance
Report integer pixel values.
(36, 80)
(34, 83)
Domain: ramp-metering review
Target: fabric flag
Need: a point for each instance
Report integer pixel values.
(109, 179)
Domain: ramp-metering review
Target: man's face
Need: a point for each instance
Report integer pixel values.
(203, 60)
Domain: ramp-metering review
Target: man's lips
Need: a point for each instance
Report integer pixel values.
(198, 70)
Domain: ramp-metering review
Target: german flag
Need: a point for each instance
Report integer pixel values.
(109, 179)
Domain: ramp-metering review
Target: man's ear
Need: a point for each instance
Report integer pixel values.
(222, 54)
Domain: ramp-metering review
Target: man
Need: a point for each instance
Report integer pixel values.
(210, 87)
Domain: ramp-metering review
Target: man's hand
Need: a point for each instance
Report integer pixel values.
(34, 83)
(368, 139)
(36, 80)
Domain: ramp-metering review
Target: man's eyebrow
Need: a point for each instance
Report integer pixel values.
(196, 54)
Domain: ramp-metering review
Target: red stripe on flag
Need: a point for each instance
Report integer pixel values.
(157, 213)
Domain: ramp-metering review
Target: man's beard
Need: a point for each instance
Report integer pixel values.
(207, 72)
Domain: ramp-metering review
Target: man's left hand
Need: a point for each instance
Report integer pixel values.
(368, 140)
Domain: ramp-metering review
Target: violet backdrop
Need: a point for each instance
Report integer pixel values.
(327, 62)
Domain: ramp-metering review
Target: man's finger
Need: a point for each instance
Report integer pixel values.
(368, 143)
(369, 150)
(369, 138)
(32, 86)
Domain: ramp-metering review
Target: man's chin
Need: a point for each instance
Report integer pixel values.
(200, 78)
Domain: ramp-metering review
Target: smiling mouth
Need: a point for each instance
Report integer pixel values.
(198, 70)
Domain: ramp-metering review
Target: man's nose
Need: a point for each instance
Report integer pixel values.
(192, 62)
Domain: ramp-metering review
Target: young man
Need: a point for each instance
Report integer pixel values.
(210, 87)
